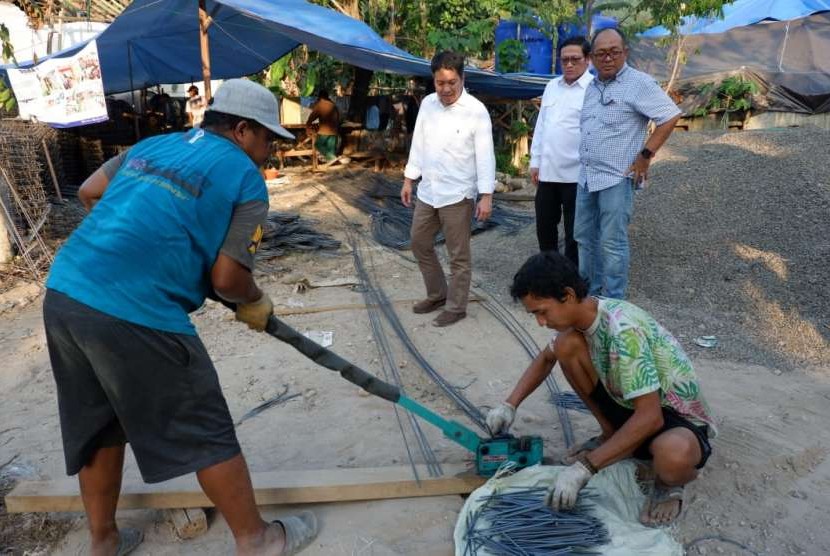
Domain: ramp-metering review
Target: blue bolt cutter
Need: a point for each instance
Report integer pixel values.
(491, 453)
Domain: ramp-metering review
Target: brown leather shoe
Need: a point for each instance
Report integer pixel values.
(446, 318)
(428, 306)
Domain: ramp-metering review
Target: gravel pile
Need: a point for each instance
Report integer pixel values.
(732, 239)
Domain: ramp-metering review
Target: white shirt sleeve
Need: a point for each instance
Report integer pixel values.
(485, 154)
(414, 164)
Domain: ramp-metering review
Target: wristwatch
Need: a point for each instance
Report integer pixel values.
(647, 153)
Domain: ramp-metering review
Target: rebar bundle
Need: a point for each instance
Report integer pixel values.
(517, 522)
(391, 221)
(285, 232)
(389, 366)
(569, 400)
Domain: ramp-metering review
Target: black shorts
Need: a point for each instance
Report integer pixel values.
(618, 415)
(120, 382)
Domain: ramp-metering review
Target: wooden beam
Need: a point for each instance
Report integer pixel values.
(270, 488)
(188, 523)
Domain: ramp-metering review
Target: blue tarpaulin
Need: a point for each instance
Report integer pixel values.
(746, 12)
(157, 41)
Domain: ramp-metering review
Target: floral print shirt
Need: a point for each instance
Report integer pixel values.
(634, 355)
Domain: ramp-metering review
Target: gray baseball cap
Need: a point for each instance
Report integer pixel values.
(242, 97)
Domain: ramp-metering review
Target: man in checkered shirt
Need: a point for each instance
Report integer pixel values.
(618, 106)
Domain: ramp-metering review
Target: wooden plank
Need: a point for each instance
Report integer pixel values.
(270, 488)
(188, 523)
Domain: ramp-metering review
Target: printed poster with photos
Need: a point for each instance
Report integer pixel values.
(62, 92)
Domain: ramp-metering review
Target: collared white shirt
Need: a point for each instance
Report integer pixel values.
(555, 146)
(452, 151)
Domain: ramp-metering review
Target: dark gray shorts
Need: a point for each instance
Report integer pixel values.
(120, 382)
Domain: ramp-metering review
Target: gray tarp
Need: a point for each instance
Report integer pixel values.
(790, 60)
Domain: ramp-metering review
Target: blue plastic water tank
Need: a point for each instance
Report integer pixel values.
(538, 46)
(566, 31)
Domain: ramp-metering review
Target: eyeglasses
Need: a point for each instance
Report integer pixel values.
(607, 54)
(571, 60)
(602, 90)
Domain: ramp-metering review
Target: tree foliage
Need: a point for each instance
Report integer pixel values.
(7, 100)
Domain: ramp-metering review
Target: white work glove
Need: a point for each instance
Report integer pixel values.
(500, 418)
(563, 494)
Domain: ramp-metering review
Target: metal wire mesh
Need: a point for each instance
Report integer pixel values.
(23, 158)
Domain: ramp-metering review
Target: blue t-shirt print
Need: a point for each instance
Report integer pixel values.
(145, 252)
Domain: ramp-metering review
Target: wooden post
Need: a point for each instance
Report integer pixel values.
(313, 151)
(204, 46)
(52, 170)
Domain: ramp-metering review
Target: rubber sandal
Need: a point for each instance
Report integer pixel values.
(660, 494)
(128, 540)
(300, 530)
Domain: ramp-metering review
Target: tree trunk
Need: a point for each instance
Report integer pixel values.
(424, 25)
(520, 144)
(393, 25)
(678, 57)
(360, 92)
(588, 15)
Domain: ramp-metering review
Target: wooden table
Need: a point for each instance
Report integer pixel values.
(306, 145)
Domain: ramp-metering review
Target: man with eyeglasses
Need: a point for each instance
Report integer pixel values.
(554, 153)
(615, 156)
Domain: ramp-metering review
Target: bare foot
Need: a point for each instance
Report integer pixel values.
(270, 543)
(663, 506)
(106, 546)
(119, 543)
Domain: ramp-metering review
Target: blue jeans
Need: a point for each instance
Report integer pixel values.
(601, 230)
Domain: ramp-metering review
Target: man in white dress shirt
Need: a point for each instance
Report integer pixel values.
(452, 153)
(554, 153)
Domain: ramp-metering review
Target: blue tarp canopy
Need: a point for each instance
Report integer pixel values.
(746, 12)
(157, 41)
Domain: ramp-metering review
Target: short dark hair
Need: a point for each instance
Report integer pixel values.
(546, 275)
(450, 60)
(616, 30)
(193, 88)
(579, 41)
(221, 121)
(322, 93)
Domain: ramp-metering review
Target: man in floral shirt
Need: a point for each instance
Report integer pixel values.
(631, 373)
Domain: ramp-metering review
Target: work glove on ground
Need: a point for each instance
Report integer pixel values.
(500, 418)
(564, 492)
(255, 314)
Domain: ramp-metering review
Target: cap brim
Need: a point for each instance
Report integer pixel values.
(279, 130)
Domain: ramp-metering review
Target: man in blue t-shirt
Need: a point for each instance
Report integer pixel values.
(176, 219)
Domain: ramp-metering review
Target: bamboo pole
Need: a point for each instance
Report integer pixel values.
(204, 46)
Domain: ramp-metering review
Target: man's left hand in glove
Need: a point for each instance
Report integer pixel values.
(565, 491)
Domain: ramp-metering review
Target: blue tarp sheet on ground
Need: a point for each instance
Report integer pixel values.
(157, 41)
(746, 12)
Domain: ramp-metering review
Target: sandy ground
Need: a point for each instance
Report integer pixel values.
(765, 486)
